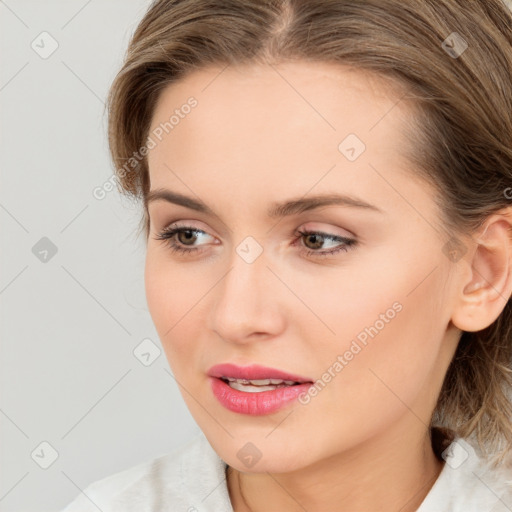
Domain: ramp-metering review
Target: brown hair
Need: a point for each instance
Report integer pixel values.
(460, 140)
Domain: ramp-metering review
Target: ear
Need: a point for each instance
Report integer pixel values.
(487, 285)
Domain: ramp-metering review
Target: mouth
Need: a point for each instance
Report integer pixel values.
(255, 376)
(255, 389)
(257, 385)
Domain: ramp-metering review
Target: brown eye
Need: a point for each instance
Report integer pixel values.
(182, 238)
(186, 237)
(314, 240)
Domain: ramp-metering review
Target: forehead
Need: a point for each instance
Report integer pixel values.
(289, 125)
(338, 96)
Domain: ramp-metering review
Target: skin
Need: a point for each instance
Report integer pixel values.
(262, 134)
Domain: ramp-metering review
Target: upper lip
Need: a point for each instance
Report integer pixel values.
(253, 372)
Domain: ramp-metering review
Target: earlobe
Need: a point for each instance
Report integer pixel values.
(484, 294)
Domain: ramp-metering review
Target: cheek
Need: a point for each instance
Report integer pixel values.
(156, 282)
(174, 299)
(393, 376)
(387, 327)
(165, 297)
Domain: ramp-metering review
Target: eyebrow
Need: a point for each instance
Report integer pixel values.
(276, 210)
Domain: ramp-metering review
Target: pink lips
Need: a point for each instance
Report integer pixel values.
(258, 403)
(252, 372)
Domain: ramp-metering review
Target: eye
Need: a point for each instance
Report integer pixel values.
(180, 239)
(316, 238)
(189, 237)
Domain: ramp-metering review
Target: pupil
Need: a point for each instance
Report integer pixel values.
(189, 235)
(318, 240)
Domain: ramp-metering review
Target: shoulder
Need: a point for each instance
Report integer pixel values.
(468, 483)
(187, 479)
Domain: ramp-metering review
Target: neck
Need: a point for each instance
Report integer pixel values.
(399, 470)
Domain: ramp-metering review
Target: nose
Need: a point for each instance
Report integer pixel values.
(246, 305)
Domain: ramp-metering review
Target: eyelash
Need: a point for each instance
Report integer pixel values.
(168, 234)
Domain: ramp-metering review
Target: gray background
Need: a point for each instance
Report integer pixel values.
(70, 321)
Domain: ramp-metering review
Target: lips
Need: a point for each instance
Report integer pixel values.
(246, 390)
(253, 372)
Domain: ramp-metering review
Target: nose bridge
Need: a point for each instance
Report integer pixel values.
(245, 298)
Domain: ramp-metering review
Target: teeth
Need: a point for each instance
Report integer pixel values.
(257, 385)
(264, 382)
(251, 389)
(261, 382)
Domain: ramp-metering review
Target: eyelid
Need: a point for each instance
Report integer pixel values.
(160, 215)
(329, 231)
(187, 227)
(190, 224)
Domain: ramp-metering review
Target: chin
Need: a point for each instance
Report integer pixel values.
(271, 464)
(255, 454)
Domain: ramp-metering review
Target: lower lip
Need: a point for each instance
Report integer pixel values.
(255, 404)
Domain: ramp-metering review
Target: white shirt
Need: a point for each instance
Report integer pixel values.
(192, 479)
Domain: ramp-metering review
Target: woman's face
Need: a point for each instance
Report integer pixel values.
(365, 316)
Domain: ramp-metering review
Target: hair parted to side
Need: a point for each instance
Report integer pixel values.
(460, 139)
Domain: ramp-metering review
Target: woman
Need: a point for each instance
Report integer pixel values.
(326, 203)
